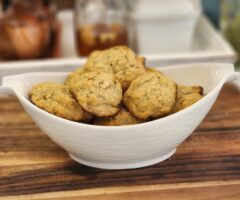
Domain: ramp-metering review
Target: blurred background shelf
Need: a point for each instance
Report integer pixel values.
(208, 45)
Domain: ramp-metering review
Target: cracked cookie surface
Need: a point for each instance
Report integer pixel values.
(151, 95)
(120, 61)
(98, 93)
(56, 99)
(186, 96)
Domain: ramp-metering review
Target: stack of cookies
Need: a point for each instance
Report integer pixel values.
(114, 88)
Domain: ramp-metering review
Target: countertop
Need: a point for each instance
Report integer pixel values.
(205, 166)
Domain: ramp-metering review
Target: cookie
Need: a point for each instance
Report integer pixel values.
(186, 96)
(73, 77)
(151, 95)
(184, 90)
(98, 62)
(122, 118)
(56, 99)
(98, 93)
(120, 61)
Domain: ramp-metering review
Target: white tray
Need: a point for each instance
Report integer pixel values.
(208, 46)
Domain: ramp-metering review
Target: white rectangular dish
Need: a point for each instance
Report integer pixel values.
(207, 46)
(171, 24)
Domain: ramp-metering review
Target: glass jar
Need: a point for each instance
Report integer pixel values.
(100, 24)
(28, 30)
(230, 23)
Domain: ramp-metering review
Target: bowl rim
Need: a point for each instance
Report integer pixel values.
(173, 116)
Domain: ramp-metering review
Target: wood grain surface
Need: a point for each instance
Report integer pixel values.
(205, 167)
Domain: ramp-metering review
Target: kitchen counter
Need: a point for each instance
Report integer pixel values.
(205, 166)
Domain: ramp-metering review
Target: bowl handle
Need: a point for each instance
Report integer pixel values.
(6, 90)
(232, 77)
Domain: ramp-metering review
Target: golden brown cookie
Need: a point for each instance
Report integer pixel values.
(186, 96)
(73, 77)
(120, 61)
(122, 118)
(56, 99)
(98, 62)
(151, 95)
(184, 90)
(98, 93)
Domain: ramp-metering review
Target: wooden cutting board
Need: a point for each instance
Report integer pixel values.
(206, 166)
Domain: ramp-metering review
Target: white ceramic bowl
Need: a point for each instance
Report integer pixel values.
(125, 147)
